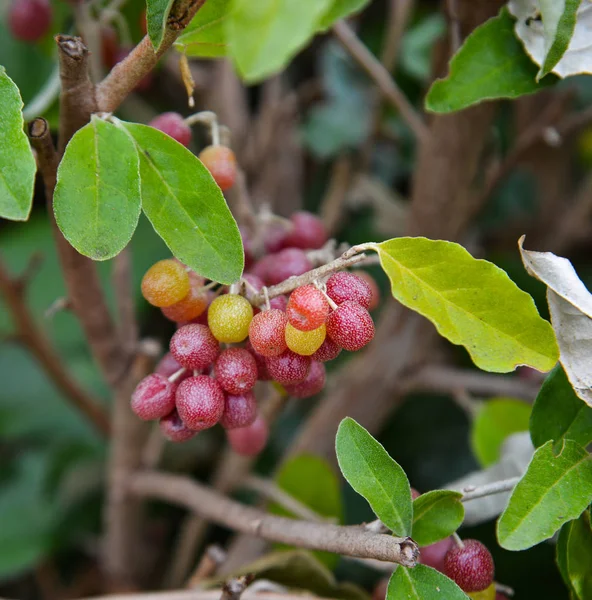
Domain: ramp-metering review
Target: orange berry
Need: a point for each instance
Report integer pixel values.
(305, 343)
(165, 283)
(221, 163)
(192, 306)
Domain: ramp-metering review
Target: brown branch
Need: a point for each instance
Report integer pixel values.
(381, 78)
(46, 355)
(205, 595)
(348, 541)
(235, 588)
(399, 12)
(207, 566)
(122, 280)
(125, 75)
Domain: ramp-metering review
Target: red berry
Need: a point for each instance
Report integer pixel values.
(143, 22)
(500, 596)
(311, 385)
(29, 20)
(266, 332)
(262, 266)
(279, 302)
(433, 555)
(288, 368)
(109, 46)
(262, 372)
(375, 300)
(248, 247)
(328, 351)
(194, 346)
(286, 263)
(239, 411)
(414, 494)
(153, 398)
(345, 286)
(236, 371)
(144, 84)
(350, 326)
(200, 402)
(168, 365)
(470, 567)
(275, 237)
(173, 125)
(174, 429)
(192, 306)
(221, 163)
(307, 308)
(250, 440)
(308, 231)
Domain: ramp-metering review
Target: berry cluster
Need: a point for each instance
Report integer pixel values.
(203, 380)
(29, 20)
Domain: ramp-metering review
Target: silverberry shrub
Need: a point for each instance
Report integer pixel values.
(268, 322)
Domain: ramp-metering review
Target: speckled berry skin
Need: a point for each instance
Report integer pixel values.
(350, 326)
(308, 232)
(167, 365)
(313, 383)
(262, 372)
(174, 429)
(250, 440)
(284, 264)
(221, 163)
(305, 343)
(200, 402)
(239, 411)
(375, 299)
(173, 125)
(279, 302)
(194, 347)
(433, 555)
(229, 317)
(288, 368)
(307, 308)
(329, 350)
(29, 20)
(192, 306)
(165, 283)
(236, 370)
(471, 567)
(153, 398)
(345, 286)
(267, 332)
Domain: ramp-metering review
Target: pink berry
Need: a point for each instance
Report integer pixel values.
(239, 411)
(312, 384)
(236, 371)
(173, 125)
(248, 247)
(500, 596)
(168, 365)
(375, 300)
(250, 440)
(194, 346)
(471, 567)
(153, 398)
(174, 429)
(345, 286)
(275, 237)
(307, 308)
(308, 231)
(200, 402)
(288, 368)
(262, 266)
(286, 263)
(350, 326)
(328, 351)
(414, 494)
(279, 302)
(266, 332)
(29, 20)
(433, 555)
(262, 372)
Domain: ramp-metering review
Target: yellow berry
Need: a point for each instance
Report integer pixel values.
(229, 317)
(305, 343)
(165, 283)
(486, 594)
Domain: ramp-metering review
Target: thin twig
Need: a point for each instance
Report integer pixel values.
(204, 595)
(489, 489)
(399, 12)
(234, 588)
(349, 541)
(381, 78)
(455, 37)
(207, 566)
(41, 348)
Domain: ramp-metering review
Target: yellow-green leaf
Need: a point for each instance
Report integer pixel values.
(471, 302)
(205, 36)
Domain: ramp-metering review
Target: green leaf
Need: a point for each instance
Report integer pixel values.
(558, 413)
(205, 36)
(340, 9)
(490, 64)
(17, 164)
(372, 473)
(436, 515)
(495, 421)
(574, 556)
(263, 36)
(559, 22)
(556, 488)
(157, 13)
(471, 302)
(422, 583)
(186, 207)
(97, 200)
